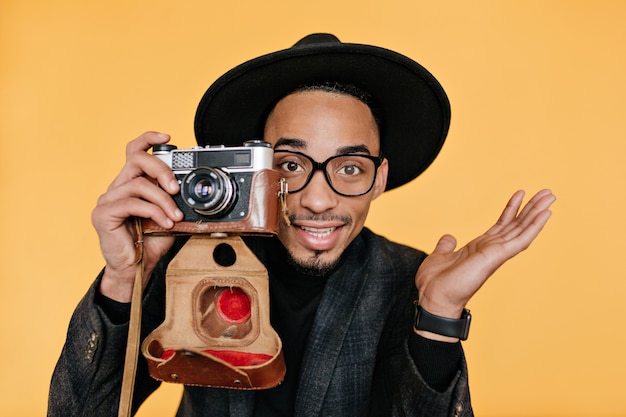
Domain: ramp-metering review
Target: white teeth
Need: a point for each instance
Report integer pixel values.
(319, 233)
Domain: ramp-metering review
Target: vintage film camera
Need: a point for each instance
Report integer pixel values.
(217, 330)
(215, 181)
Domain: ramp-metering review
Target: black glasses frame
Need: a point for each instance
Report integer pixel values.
(321, 166)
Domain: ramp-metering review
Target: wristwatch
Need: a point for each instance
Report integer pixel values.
(444, 326)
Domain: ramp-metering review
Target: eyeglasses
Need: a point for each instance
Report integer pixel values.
(347, 174)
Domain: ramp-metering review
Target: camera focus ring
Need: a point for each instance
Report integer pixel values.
(209, 191)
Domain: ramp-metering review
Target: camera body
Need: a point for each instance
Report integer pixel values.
(216, 182)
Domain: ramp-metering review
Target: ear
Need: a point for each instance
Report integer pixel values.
(381, 179)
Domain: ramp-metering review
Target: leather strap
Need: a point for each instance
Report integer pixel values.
(458, 328)
(134, 329)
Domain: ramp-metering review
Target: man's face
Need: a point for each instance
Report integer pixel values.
(322, 124)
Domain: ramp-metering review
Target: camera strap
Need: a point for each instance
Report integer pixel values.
(134, 328)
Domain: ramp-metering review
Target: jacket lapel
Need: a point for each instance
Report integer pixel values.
(332, 320)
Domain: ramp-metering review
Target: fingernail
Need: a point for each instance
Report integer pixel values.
(178, 214)
(173, 186)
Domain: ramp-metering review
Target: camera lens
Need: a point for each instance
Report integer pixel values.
(203, 189)
(209, 191)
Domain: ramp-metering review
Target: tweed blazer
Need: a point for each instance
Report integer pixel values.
(356, 362)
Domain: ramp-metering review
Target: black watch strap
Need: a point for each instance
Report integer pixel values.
(444, 326)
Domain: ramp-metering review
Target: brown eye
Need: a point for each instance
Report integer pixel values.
(290, 166)
(350, 170)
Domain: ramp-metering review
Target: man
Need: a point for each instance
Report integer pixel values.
(347, 122)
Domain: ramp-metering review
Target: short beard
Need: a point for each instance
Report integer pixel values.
(313, 266)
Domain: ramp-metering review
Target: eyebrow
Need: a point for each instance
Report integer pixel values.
(353, 149)
(300, 144)
(294, 143)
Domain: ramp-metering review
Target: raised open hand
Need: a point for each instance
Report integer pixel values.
(447, 279)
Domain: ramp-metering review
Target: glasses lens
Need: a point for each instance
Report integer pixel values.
(351, 174)
(295, 168)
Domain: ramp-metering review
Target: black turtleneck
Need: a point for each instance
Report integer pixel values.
(294, 298)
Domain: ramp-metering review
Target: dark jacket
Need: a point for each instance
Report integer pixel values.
(356, 363)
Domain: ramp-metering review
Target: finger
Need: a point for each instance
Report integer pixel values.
(529, 218)
(144, 189)
(446, 244)
(140, 163)
(149, 166)
(534, 201)
(508, 214)
(526, 235)
(510, 220)
(110, 216)
(145, 141)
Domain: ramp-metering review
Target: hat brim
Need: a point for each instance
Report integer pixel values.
(413, 107)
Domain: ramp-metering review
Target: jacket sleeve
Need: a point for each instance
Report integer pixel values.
(87, 379)
(398, 387)
(403, 392)
(88, 375)
(416, 394)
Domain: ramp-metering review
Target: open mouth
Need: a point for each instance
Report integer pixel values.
(319, 232)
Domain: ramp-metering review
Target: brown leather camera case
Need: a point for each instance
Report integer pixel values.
(199, 345)
(195, 344)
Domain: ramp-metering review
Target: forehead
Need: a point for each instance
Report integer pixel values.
(323, 122)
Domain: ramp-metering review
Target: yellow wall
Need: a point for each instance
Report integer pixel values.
(537, 91)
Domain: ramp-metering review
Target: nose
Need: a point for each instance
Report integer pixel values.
(317, 196)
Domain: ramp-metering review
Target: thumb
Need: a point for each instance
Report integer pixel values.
(446, 244)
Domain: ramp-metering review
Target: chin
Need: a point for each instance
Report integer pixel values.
(318, 264)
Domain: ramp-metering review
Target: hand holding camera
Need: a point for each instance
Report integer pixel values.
(189, 188)
(143, 188)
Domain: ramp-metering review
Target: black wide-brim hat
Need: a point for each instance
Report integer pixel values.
(412, 105)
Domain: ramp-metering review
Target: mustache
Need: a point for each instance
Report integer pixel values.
(343, 218)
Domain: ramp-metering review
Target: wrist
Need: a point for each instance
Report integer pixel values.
(440, 307)
(434, 336)
(117, 285)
